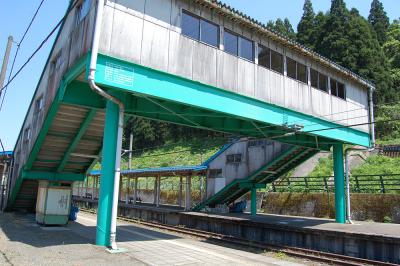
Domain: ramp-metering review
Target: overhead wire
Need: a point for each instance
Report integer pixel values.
(339, 120)
(16, 52)
(40, 46)
(2, 146)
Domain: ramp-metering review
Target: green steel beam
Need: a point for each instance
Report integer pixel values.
(150, 83)
(107, 175)
(79, 94)
(340, 206)
(85, 124)
(251, 184)
(51, 114)
(285, 165)
(52, 176)
(58, 162)
(46, 126)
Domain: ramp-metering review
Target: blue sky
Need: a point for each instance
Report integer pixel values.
(15, 16)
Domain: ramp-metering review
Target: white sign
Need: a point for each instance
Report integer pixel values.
(119, 74)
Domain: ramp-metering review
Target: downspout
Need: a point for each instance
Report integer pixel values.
(370, 149)
(98, 90)
(2, 185)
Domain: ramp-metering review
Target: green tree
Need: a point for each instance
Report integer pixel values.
(306, 29)
(283, 27)
(392, 45)
(366, 57)
(391, 131)
(333, 36)
(348, 39)
(379, 20)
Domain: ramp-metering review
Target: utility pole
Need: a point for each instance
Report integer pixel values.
(130, 149)
(5, 63)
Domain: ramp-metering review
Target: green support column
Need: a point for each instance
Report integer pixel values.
(340, 206)
(107, 175)
(253, 207)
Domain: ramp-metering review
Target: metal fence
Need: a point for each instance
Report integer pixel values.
(383, 183)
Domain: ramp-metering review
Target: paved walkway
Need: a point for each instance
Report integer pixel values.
(23, 242)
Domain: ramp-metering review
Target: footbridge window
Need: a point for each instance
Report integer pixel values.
(234, 158)
(238, 45)
(39, 104)
(276, 62)
(270, 59)
(319, 81)
(214, 173)
(200, 29)
(338, 89)
(296, 70)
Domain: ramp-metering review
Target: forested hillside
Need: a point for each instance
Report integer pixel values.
(369, 47)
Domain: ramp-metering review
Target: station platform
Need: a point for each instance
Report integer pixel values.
(23, 242)
(369, 229)
(368, 240)
(164, 214)
(374, 241)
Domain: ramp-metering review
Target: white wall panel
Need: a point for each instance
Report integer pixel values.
(155, 46)
(339, 112)
(227, 69)
(126, 36)
(297, 95)
(263, 90)
(276, 83)
(358, 115)
(106, 30)
(246, 82)
(204, 64)
(180, 55)
(321, 102)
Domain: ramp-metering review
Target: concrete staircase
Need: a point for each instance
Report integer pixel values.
(268, 173)
(26, 198)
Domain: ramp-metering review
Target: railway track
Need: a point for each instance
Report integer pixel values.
(313, 255)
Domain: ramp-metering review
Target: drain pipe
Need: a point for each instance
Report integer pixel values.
(370, 149)
(98, 90)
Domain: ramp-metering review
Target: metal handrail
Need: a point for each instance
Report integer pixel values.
(371, 183)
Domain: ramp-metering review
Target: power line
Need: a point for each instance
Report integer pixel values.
(342, 112)
(16, 52)
(41, 45)
(353, 125)
(336, 127)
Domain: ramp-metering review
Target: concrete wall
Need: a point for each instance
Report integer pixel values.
(364, 207)
(148, 32)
